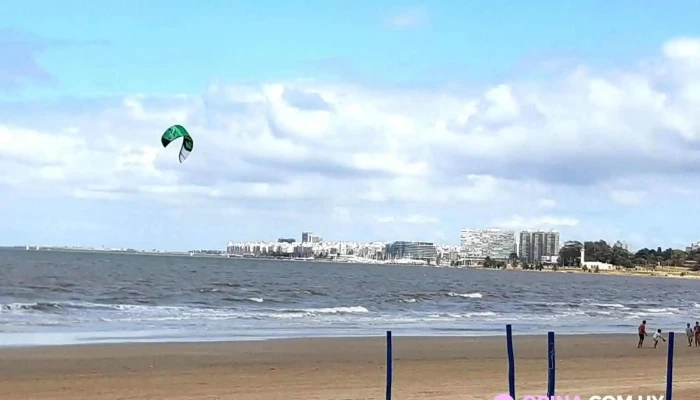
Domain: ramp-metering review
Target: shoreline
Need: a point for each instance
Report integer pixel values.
(194, 341)
(445, 368)
(248, 340)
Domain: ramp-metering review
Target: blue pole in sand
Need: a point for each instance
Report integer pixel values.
(389, 371)
(511, 361)
(669, 368)
(551, 378)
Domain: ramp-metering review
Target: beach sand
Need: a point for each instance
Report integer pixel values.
(344, 369)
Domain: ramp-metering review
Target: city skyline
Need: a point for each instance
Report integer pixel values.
(511, 242)
(392, 125)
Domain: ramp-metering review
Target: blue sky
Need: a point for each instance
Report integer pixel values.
(576, 116)
(158, 47)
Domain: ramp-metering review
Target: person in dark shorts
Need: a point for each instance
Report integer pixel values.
(689, 332)
(697, 333)
(642, 331)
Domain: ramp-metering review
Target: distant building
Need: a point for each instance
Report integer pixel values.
(496, 244)
(411, 250)
(592, 265)
(693, 247)
(286, 240)
(307, 237)
(538, 246)
(525, 250)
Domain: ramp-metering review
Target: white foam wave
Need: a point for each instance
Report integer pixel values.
(662, 310)
(319, 312)
(476, 295)
(255, 299)
(609, 305)
(337, 310)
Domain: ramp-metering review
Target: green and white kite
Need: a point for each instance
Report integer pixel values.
(175, 132)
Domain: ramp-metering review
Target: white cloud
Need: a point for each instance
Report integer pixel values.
(520, 222)
(340, 215)
(547, 203)
(309, 149)
(411, 219)
(627, 197)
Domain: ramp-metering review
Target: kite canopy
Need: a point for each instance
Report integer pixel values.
(175, 132)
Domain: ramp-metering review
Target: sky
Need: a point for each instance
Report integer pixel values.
(354, 120)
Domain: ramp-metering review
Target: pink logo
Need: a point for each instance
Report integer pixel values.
(503, 396)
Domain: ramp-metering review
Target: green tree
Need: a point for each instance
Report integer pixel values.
(677, 257)
(513, 258)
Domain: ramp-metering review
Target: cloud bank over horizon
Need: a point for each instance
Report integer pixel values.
(610, 153)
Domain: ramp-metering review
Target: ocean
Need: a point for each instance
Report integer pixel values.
(56, 297)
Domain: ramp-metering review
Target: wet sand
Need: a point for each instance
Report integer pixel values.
(308, 369)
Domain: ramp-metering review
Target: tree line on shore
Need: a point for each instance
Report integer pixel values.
(601, 251)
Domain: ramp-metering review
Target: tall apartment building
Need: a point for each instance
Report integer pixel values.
(525, 249)
(496, 244)
(309, 237)
(537, 244)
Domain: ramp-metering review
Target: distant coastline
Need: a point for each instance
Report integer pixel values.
(658, 272)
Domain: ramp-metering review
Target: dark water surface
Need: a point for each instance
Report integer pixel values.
(52, 297)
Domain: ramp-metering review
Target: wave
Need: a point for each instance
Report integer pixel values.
(608, 305)
(334, 310)
(68, 306)
(663, 310)
(45, 307)
(475, 295)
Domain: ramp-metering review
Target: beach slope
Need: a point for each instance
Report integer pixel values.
(325, 369)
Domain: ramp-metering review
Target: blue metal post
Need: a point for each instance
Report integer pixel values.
(511, 361)
(551, 378)
(389, 359)
(669, 368)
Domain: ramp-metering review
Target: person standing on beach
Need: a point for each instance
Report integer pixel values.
(689, 332)
(697, 333)
(657, 337)
(642, 330)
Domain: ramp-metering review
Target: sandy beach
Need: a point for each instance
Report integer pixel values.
(424, 368)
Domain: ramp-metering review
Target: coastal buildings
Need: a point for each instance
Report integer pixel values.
(309, 237)
(538, 246)
(400, 252)
(477, 244)
(412, 250)
(525, 248)
(593, 265)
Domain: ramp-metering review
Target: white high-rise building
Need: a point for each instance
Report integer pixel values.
(534, 245)
(496, 244)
